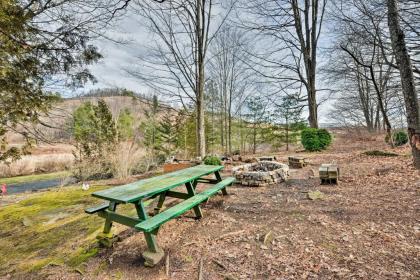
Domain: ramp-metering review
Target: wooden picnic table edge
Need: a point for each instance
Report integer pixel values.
(131, 200)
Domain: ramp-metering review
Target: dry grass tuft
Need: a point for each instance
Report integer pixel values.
(128, 159)
(37, 164)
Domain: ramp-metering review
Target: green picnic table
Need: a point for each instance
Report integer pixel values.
(160, 186)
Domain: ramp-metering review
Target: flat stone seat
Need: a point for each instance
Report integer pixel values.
(297, 162)
(267, 158)
(329, 173)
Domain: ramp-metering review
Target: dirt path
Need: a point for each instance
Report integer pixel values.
(367, 227)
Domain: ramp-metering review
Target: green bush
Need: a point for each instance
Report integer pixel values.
(315, 139)
(324, 138)
(400, 138)
(212, 160)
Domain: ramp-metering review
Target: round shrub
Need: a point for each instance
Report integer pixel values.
(310, 140)
(400, 138)
(324, 138)
(212, 160)
(315, 139)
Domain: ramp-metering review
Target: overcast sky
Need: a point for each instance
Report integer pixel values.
(110, 71)
(118, 56)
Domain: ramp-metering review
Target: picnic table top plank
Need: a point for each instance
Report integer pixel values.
(148, 187)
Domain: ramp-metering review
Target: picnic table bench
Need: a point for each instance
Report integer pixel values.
(137, 192)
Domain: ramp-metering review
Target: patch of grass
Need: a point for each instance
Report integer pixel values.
(34, 177)
(47, 227)
(377, 153)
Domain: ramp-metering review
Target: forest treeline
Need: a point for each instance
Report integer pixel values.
(232, 66)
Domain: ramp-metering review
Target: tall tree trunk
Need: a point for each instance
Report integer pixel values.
(364, 98)
(222, 125)
(377, 119)
(287, 132)
(254, 139)
(201, 133)
(407, 80)
(387, 123)
(226, 124)
(230, 133)
(201, 137)
(313, 108)
(308, 41)
(211, 145)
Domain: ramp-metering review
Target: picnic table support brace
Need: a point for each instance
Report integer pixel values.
(191, 193)
(219, 179)
(154, 254)
(160, 203)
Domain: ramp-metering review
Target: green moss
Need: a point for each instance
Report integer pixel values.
(46, 227)
(82, 255)
(377, 153)
(34, 177)
(36, 265)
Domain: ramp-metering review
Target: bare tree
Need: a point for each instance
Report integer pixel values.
(295, 27)
(175, 65)
(369, 75)
(233, 79)
(378, 86)
(407, 79)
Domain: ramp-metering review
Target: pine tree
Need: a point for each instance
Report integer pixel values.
(289, 111)
(95, 134)
(257, 115)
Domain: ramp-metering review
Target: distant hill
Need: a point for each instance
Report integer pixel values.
(58, 118)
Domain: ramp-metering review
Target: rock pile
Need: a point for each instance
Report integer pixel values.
(261, 173)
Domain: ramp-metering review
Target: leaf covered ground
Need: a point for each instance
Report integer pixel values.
(367, 227)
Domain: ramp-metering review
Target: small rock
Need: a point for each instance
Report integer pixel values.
(85, 186)
(27, 222)
(268, 238)
(314, 195)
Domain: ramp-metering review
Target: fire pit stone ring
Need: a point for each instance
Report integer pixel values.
(261, 174)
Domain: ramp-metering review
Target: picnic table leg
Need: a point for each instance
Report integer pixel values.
(154, 254)
(219, 178)
(191, 192)
(107, 238)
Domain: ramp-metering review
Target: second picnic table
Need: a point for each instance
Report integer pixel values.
(137, 192)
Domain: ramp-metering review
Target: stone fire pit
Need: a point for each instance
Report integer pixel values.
(261, 174)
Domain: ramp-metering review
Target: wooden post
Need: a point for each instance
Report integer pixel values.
(154, 253)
